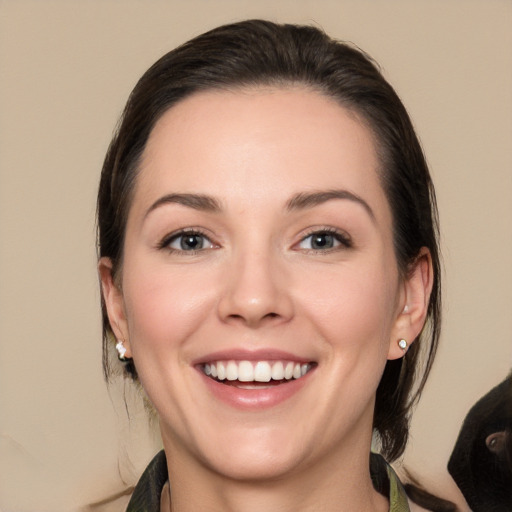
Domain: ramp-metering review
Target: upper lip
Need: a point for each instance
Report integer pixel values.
(267, 354)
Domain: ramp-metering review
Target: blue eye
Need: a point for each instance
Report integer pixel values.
(188, 242)
(323, 241)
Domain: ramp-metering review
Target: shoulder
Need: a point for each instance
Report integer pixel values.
(416, 508)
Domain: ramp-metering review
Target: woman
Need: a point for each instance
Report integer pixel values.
(268, 259)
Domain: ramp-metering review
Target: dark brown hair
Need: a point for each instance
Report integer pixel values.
(261, 53)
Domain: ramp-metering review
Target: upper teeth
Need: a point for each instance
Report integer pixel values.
(256, 371)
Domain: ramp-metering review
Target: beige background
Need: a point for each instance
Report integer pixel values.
(66, 70)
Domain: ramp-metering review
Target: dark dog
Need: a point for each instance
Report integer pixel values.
(481, 461)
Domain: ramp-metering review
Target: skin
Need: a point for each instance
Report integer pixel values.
(258, 282)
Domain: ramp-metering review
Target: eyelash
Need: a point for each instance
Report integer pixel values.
(339, 236)
(169, 239)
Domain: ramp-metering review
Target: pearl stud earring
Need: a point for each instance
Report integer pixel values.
(121, 350)
(402, 344)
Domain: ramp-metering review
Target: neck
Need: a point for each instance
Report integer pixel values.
(340, 483)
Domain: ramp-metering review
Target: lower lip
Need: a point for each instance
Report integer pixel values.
(254, 399)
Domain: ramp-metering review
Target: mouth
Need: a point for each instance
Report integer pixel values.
(256, 374)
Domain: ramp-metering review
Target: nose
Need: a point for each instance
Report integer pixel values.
(256, 291)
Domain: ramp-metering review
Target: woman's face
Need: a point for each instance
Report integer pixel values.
(259, 248)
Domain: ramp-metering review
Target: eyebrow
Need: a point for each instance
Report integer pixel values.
(301, 201)
(306, 200)
(194, 201)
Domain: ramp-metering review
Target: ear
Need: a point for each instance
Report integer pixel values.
(114, 302)
(413, 303)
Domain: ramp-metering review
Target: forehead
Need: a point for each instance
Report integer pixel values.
(267, 142)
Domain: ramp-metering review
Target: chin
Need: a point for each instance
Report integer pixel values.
(254, 454)
(262, 468)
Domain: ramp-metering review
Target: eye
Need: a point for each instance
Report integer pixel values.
(324, 240)
(497, 441)
(188, 241)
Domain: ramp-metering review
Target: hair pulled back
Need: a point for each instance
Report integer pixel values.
(262, 53)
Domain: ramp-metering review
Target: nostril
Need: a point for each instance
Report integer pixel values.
(242, 317)
(254, 320)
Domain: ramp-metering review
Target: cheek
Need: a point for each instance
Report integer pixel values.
(353, 307)
(163, 306)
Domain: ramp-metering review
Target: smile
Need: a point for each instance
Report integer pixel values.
(257, 380)
(256, 371)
